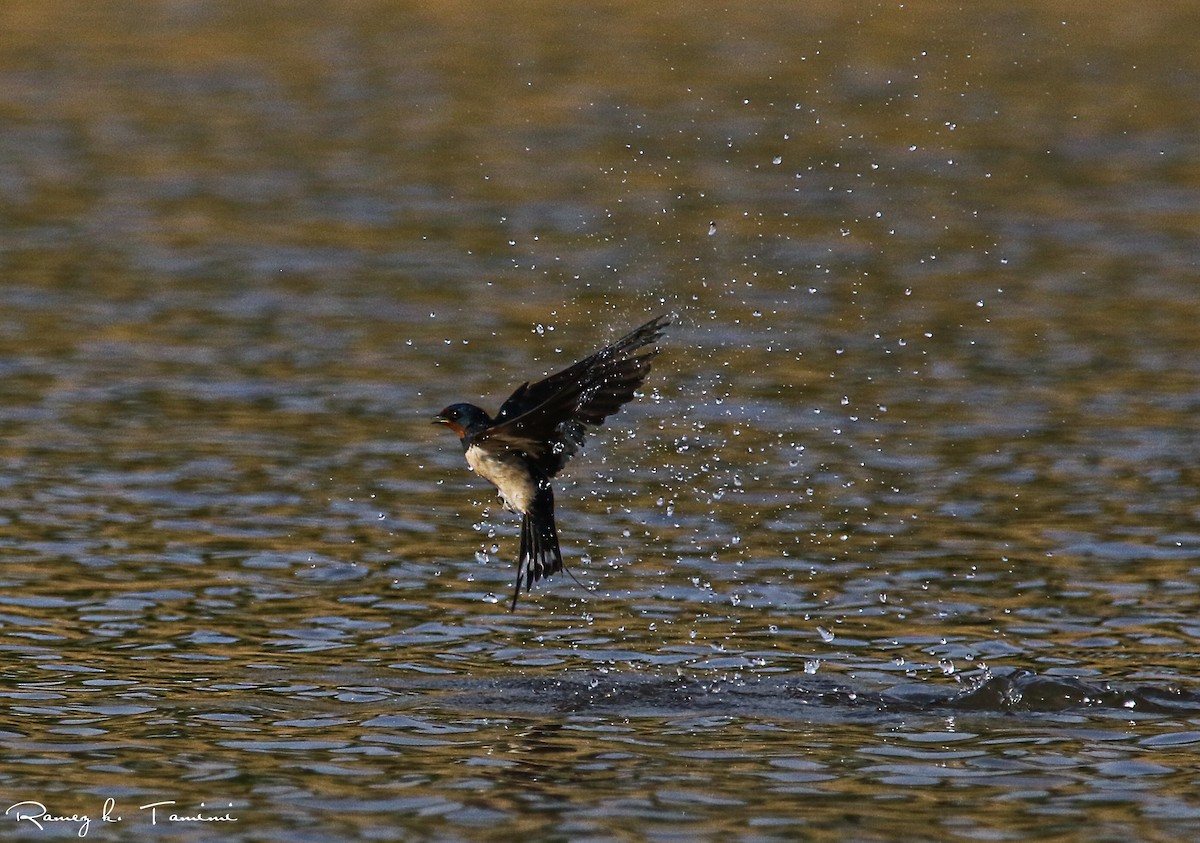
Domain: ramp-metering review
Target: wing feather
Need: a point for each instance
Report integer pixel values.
(547, 419)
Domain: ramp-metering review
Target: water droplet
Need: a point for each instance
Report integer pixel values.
(825, 634)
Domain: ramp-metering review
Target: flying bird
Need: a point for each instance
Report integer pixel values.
(539, 428)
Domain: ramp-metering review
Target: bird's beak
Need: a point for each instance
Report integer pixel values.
(450, 423)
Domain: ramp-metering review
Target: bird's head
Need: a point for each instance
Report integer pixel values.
(464, 419)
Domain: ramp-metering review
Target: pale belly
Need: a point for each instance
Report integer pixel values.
(505, 472)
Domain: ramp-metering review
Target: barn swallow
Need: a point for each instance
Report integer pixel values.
(539, 428)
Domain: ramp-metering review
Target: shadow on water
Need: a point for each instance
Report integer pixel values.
(766, 696)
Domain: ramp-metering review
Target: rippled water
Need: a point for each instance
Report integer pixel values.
(901, 542)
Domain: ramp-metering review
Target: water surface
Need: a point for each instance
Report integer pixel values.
(902, 540)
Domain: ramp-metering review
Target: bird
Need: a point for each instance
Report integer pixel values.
(539, 428)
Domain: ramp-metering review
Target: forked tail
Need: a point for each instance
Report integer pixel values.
(540, 555)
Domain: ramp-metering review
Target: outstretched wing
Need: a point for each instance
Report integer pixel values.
(547, 419)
